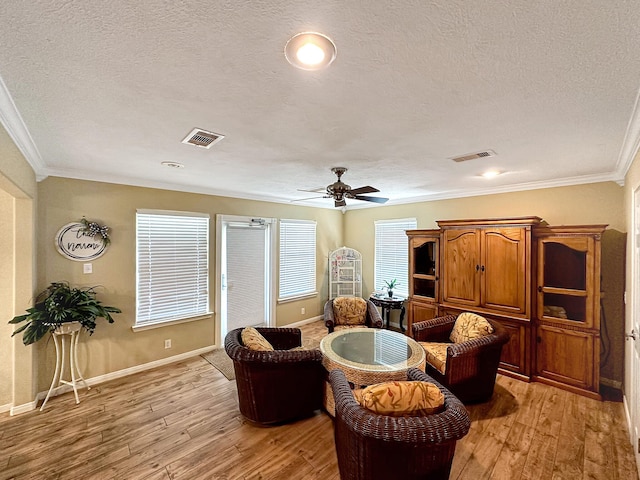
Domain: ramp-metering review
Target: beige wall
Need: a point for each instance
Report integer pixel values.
(18, 191)
(632, 182)
(6, 296)
(116, 347)
(598, 203)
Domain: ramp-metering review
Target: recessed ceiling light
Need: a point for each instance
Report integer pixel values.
(173, 164)
(310, 51)
(491, 173)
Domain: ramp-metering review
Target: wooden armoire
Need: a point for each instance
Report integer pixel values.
(501, 269)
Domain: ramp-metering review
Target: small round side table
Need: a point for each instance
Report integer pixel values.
(387, 304)
(70, 331)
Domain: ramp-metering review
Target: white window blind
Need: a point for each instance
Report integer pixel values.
(392, 254)
(172, 265)
(297, 258)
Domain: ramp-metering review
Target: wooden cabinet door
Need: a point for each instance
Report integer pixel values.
(503, 269)
(461, 265)
(420, 311)
(566, 356)
(568, 281)
(514, 356)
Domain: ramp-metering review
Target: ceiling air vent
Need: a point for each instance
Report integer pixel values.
(473, 156)
(202, 138)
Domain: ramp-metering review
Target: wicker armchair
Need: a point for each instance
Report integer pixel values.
(471, 366)
(372, 317)
(279, 385)
(379, 447)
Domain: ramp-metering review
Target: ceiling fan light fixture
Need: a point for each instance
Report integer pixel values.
(310, 51)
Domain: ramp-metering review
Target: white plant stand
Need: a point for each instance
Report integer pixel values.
(70, 332)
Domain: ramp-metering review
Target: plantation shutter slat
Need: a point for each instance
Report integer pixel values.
(392, 253)
(297, 258)
(172, 266)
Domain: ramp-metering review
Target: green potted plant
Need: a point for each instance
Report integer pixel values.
(390, 286)
(60, 304)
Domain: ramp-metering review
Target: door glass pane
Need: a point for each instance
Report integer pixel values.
(564, 267)
(425, 260)
(565, 306)
(246, 273)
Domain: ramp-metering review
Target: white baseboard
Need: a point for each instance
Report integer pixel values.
(627, 414)
(27, 407)
(611, 383)
(5, 408)
(24, 408)
(303, 322)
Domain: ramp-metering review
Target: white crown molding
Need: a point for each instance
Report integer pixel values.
(631, 141)
(14, 125)
(136, 182)
(559, 182)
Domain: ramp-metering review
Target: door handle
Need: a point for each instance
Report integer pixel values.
(477, 267)
(631, 335)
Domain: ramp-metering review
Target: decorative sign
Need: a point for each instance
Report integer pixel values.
(76, 244)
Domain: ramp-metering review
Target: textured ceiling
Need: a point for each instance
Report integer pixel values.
(107, 91)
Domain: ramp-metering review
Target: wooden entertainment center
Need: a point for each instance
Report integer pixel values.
(541, 282)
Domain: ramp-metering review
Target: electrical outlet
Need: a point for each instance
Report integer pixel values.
(167, 343)
(303, 311)
(87, 268)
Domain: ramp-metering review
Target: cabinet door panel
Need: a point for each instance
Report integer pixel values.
(419, 312)
(461, 266)
(503, 269)
(566, 356)
(514, 356)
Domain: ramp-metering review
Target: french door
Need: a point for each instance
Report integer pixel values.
(244, 272)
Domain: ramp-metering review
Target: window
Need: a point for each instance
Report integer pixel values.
(172, 265)
(297, 259)
(392, 254)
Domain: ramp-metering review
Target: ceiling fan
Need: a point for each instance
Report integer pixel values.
(340, 191)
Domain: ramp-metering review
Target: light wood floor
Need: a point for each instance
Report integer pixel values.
(182, 422)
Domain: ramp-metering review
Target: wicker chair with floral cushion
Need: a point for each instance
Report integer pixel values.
(349, 312)
(463, 353)
(375, 446)
(277, 381)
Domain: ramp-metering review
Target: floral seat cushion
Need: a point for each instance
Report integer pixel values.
(469, 326)
(253, 340)
(401, 398)
(349, 311)
(436, 355)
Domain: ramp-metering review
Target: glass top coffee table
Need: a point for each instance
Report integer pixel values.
(370, 355)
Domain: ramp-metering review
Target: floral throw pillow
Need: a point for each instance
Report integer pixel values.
(349, 310)
(253, 340)
(469, 326)
(402, 399)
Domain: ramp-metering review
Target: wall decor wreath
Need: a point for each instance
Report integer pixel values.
(93, 229)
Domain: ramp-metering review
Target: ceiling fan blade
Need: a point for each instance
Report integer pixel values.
(371, 199)
(341, 203)
(315, 190)
(367, 189)
(308, 198)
